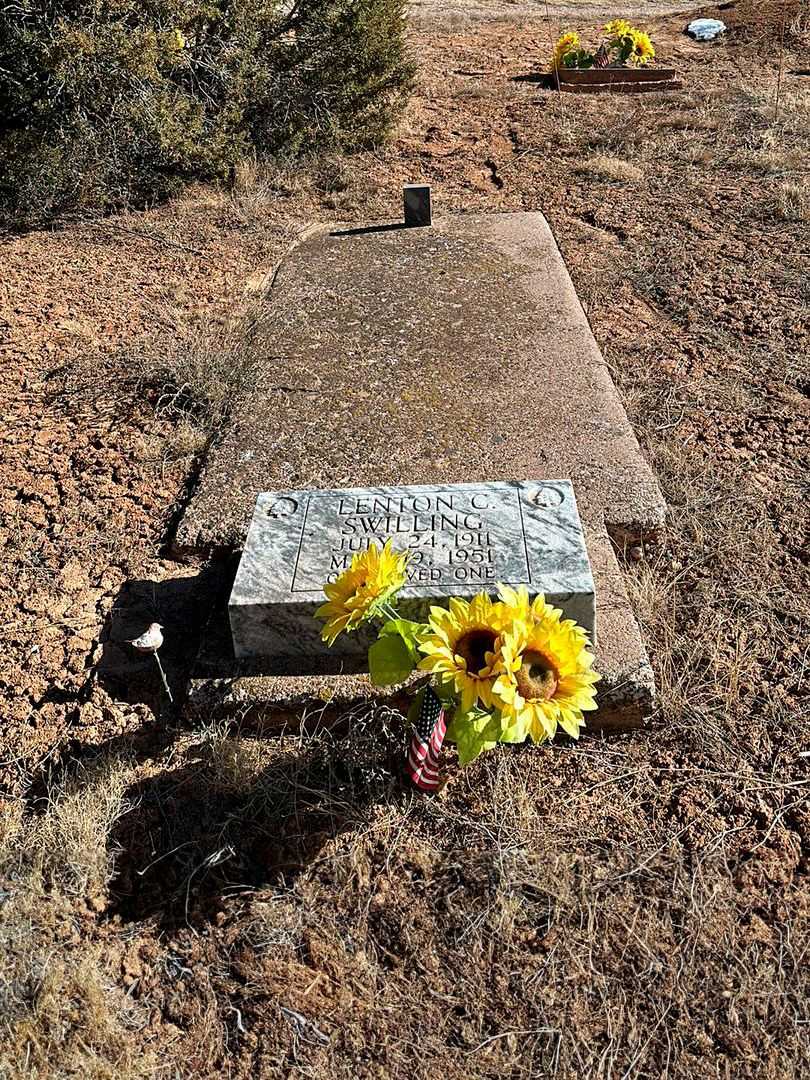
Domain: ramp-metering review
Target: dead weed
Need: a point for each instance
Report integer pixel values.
(62, 1012)
(604, 167)
(195, 385)
(793, 201)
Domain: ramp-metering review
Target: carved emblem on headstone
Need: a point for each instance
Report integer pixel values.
(547, 497)
(281, 506)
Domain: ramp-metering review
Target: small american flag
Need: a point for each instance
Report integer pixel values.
(602, 57)
(426, 744)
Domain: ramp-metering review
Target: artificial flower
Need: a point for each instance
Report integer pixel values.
(362, 590)
(618, 28)
(566, 44)
(547, 674)
(464, 646)
(516, 607)
(643, 50)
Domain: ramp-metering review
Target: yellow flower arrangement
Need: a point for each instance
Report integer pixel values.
(506, 669)
(622, 44)
(362, 590)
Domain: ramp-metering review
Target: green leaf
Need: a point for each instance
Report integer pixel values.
(446, 691)
(515, 733)
(577, 58)
(473, 732)
(626, 48)
(410, 632)
(389, 660)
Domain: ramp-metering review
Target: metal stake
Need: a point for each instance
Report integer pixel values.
(163, 678)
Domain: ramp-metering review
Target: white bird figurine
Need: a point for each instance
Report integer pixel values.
(150, 640)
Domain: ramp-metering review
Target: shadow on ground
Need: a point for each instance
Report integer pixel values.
(246, 802)
(393, 226)
(544, 79)
(183, 606)
(238, 813)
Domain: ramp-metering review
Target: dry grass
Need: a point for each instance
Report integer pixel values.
(723, 540)
(734, 130)
(187, 440)
(442, 20)
(774, 161)
(793, 201)
(62, 1012)
(480, 89)
(797, 31)
(538, 919)
(790, 122)
(603, 167)
(257, 187)
(196, 384)
(696, 118)
(67, 842)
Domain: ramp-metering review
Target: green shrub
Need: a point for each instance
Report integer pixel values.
(105, 102)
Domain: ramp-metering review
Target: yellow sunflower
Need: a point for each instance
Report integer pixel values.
(464, 646)
(358, 594)
(515, 606)
(548, 677)
(618, 28)
(643, 50)
(567, 43)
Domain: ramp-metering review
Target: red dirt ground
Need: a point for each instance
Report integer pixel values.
(695, 282)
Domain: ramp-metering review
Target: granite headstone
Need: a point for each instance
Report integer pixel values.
(463, 539)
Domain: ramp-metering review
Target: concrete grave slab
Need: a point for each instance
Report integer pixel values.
(462, 539)
(454, 354)
(418, 356)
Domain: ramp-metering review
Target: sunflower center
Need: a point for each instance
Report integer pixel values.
(538, 678)
(473, 647)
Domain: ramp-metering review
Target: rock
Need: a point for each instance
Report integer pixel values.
(705, 29)
(89, 715)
